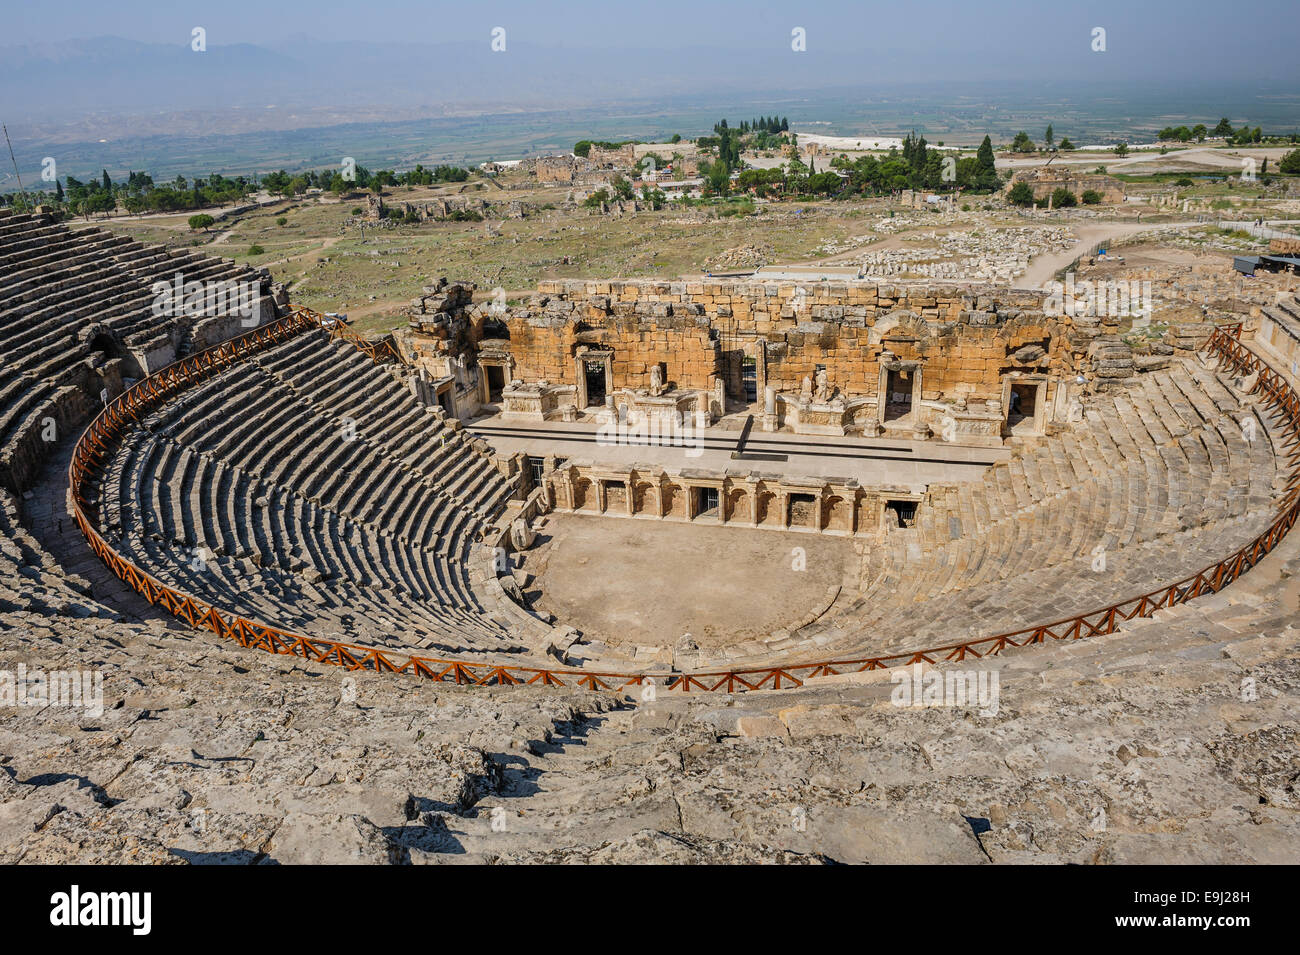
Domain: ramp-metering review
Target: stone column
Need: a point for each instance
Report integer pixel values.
(581, 395)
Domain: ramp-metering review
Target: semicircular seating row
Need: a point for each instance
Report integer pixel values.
(1156, 482)
(307, 489)
(61, 288)
(63, 293)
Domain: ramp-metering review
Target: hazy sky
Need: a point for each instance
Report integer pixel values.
(1173, 32)
(99, 58)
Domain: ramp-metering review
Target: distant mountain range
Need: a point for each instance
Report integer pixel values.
(296, 102)
(70, 80)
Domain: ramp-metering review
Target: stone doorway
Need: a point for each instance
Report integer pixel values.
(616, 497)
(493, 376)
(706, 502)
(1025, 400)
(898, 394)
(496, 382)
(593, 370)
(901, 513)
(749, 378)
(446, 401)
(802, 510)
(1022, 404)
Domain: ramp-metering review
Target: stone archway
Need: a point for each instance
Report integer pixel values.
(585, 496)
(837, 513)
(739, 504)
(674, 500)
(645, 498)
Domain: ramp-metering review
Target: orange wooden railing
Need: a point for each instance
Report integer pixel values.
(93, 449)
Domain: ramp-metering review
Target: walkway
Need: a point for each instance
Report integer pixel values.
(873, 462)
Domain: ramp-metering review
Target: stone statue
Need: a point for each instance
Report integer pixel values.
(521, 535)
(824, 390)
(805, 389)
(656, 379)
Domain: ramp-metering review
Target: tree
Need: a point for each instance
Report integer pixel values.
(1121, 149)
(1199, 132)
(58, 191)
(108, 183)
(1022, 143)
(759, 181)
(717, 178)
(202, 221)
(622, 188)
(1090, 197)
(986, 171)
(1063, 198)
(824, 183)
(1021, 194)
(1065, 143)
(596, 199)
(655, 198)
(1290, 163)
(1223, 129)
(1049, 137)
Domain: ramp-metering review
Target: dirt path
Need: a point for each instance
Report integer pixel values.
(1043, 267)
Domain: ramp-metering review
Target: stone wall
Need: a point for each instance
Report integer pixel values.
(823, 352)
(824, 506)
(622, 157)
(966, 336)
(544, 348)
(1045, 182)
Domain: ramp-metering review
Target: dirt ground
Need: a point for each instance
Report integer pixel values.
(630, 582)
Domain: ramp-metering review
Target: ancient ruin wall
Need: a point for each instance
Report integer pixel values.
(966, 336)
(544, 350)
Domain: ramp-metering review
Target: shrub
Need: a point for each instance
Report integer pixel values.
(1063, 198)
(255, 249)
(283, 220)
(201, 221)
(1090, 197)
(1021, 195)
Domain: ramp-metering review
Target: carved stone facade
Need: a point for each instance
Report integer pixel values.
(967, 364)
(750, 499)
